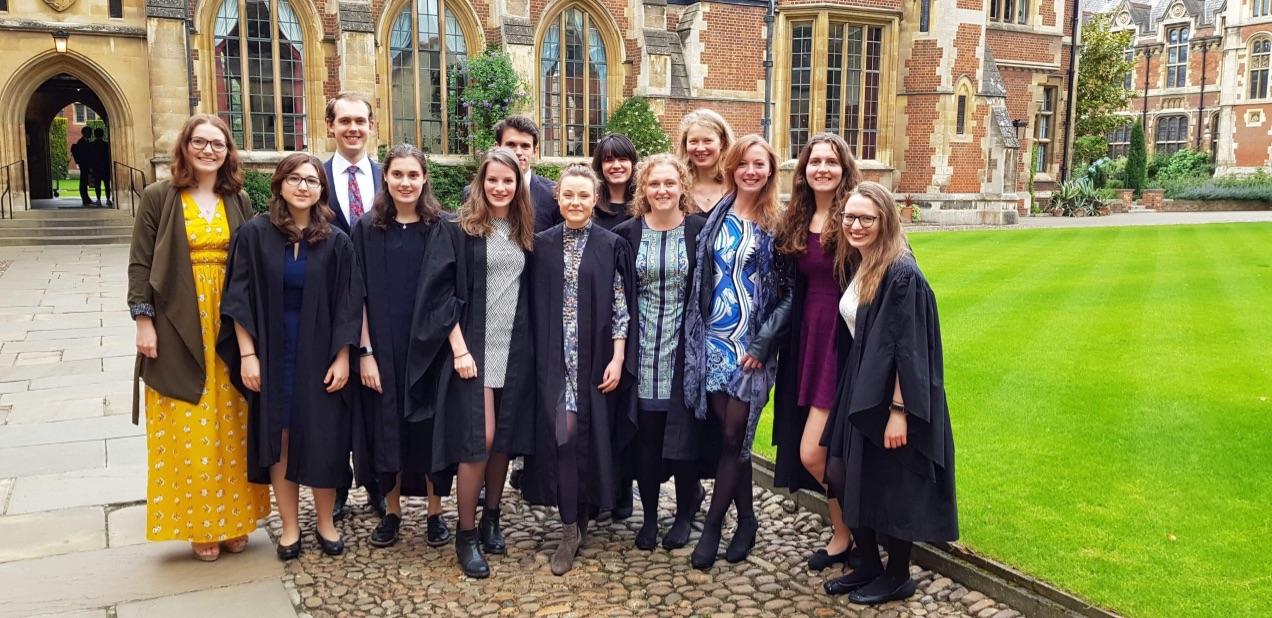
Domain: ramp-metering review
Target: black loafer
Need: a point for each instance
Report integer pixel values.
(884, 588)
(438, 533)
(848, 583)
(822, 560)
(386, 533)
(341, 508)
(288, 552)
(331, 548)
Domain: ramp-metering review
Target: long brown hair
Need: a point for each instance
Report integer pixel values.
(793, 237)
(708, 119)
(640, 204)
(474, 215)
(767, 204)
(384, 209)
(229, 178)
(889, 245)
(320, 216)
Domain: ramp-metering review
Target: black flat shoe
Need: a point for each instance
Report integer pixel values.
(331, 548)
(682, 527)
(848, 583)
(822, 560)
(438, 533)
(743, 540)
(468, 552)
(704, 553)
(884, 588)
(341, 508)
(492, 541)
(386, 533)
(647, 537)
(288, 552)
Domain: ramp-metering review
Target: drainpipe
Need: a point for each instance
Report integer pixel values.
(766, 123)
(189, 29)
(1201, 98)
(1071, 75)
(1148, 63)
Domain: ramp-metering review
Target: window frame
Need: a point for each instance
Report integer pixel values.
(115, 9)
(1046, 111)
(1170, 122)
(821, 19)
(467, 30)
(1010, 11)
(1258, 84)
(1177, 71)
(1260, 8)
(1119, 140)
(593, 17)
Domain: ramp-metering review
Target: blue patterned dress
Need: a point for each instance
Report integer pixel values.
(732, 300)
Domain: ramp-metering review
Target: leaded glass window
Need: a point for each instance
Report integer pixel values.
(573, 84)
(259, 81)
(428, 54)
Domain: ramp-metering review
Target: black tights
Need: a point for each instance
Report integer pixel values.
(733, 474)
(898, 553)
(569, 498)
(651, 427)
(490, 472)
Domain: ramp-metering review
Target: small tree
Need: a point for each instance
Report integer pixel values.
(635, 120)
(1102, 70)
(58, 148)
(1088, 148)
(489, 91)
(1136, 160)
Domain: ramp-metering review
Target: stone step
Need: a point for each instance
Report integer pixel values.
(111, 228)
(29, 241)
(55, 213)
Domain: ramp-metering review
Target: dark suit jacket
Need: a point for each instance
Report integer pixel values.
(543, 195)
(334, 202)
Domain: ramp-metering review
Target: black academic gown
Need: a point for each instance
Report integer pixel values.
(906, 493)
(685, 438)
(789, 417)
(453, 291)
(330, 319)
(610, 216)
(605, 423)
(382, 435)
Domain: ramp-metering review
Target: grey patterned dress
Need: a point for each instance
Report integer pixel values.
(575, 242)
(504, 262)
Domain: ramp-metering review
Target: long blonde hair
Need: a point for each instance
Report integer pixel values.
(640, 204)
(713, 121)
(889, 245)
(474, 215)
(767, 205)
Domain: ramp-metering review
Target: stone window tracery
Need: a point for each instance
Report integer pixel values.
(1177, 57)
(1172, 134)
(851, 60)
(428, 56)
(574, 69)
(258, 53)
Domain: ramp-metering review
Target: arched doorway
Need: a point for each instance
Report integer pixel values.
(47, 103)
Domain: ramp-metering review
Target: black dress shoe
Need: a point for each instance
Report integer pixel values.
(850, 582)
(341, 508)
(647, 538)
(492, 541)
(288, 552)
(678, 535)
(468, 551)
(704, 553)
(331, 548)
(884, 588)
(386, 533)
(514, 478)
(821, 559)
(623, 507)
(743, 540)
(438, 533)
(376, 501)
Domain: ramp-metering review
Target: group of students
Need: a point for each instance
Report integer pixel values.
(627, 322)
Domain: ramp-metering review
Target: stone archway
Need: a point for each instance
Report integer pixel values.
(38, 90)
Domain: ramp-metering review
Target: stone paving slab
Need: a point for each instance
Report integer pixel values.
(102, 428)
(126, 526)
(126, 451)
(263, 599)
(112, 485)
(36, 535)
(87, 613)
(39, 459)
(106, 577)
(64, 410)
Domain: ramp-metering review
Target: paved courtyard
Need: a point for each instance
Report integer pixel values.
(72, 492)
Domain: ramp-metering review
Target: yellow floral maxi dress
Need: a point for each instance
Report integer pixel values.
(198, 489)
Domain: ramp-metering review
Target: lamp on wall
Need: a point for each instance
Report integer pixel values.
(60, 38)
(1018, 124)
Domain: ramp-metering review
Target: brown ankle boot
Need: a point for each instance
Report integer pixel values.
(563, 557)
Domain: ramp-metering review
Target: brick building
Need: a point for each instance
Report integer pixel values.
(948, 101)
(1201, 75)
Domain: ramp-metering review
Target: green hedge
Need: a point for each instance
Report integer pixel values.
(1257, 187)
(257, 186)
(59, 156)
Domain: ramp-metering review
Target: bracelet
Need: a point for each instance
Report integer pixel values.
(463, 355)
(897, 407)
(248, 355)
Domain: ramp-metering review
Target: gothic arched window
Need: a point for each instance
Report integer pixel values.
(259, 86)
(573, 84)
(428, 53)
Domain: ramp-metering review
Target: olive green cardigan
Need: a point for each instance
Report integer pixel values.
(161, 283)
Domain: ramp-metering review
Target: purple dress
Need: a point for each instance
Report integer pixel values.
(818, 361)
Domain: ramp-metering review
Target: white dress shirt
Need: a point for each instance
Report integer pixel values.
(340, 178)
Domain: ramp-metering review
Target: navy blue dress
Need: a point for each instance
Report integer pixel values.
(293, 297)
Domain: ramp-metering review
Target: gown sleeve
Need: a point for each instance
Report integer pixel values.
(347, 297)
(439, 307)
(916, 349)
(238, 301)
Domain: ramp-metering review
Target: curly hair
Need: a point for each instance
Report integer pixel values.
(792, 239)
(640, 204)
(319, 227)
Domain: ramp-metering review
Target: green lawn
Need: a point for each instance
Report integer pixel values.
(1111, 395)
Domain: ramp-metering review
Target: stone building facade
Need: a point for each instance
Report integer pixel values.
(948, 101)
(1201, 76)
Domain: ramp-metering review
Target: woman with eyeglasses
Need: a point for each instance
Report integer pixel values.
(293, 296)
(196, 425)
(891, 451)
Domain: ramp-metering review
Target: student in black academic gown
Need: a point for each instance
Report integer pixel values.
(891, 461)
(663, 238)
(292, 294)
(584, 417)
(809, 359)
(474, 334)
(390, 242)
(614, 160)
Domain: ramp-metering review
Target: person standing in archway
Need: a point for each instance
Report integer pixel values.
(82, 152)
(101, 165)
(196, 422)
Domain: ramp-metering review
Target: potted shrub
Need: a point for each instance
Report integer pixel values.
(907, 210)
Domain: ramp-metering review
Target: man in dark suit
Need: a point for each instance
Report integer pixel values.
(82, 152)
(102, 165)
(353, 180)
(520, 135)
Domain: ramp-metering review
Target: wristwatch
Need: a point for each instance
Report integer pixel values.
(365, 350)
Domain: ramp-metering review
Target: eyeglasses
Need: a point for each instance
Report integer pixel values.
(866, 221)
(198, 143)
(310, 182)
